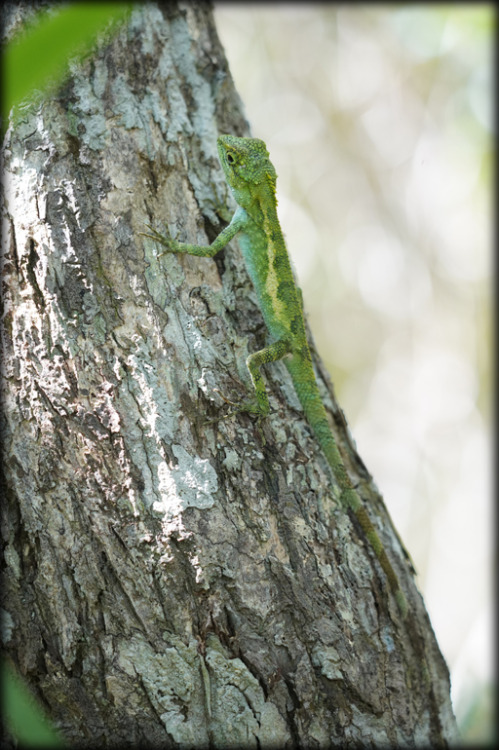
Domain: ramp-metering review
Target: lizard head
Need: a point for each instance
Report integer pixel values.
(246, 165)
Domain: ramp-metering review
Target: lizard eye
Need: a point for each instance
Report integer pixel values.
(230, 158)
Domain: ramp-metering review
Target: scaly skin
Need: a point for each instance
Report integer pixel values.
(252, 179)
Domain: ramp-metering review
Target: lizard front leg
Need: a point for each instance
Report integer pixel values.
(204, 251)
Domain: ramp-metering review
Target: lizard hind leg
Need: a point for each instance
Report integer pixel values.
(259, 405)
(272, 353)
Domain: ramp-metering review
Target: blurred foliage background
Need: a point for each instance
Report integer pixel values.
(378, 120)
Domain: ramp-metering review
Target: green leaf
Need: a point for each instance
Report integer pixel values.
(37, 57)
(23, 716)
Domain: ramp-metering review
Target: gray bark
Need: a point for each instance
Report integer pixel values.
(172, 583)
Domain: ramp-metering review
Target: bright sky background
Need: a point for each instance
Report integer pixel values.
(379, 122)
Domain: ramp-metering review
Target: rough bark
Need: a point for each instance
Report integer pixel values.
(172, 583)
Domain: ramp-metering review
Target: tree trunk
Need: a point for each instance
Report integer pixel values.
(169, 582)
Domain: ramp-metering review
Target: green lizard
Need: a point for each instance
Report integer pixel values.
(252, 179)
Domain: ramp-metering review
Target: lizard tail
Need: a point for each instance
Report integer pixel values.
(317, 418)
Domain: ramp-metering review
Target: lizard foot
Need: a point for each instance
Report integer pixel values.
(248, 407)
(153, 234)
